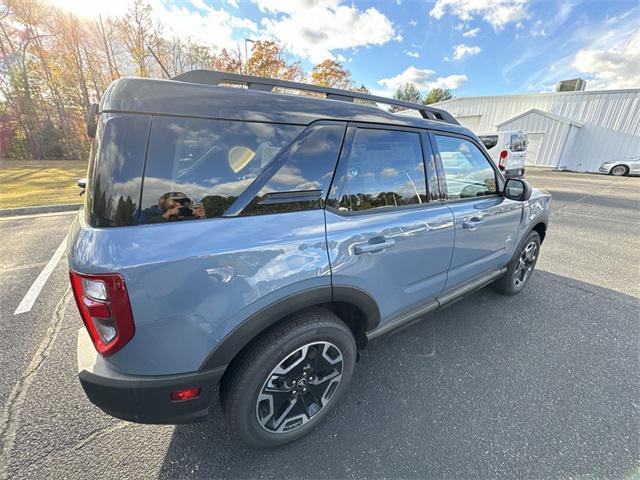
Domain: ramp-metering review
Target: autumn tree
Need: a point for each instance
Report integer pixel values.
(138, 34)
(436, 95)
(330, 73)
(267, 60)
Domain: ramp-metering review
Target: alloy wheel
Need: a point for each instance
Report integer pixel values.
(525, 264)
(299, 387)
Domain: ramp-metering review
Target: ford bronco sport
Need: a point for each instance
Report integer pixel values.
(247, 243)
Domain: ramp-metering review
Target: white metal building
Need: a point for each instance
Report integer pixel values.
(567, 130)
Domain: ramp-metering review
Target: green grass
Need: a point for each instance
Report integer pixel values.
(28, 183)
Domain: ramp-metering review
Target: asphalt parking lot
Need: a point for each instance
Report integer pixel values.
(542, 385)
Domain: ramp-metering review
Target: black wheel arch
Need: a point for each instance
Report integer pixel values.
(354, 306)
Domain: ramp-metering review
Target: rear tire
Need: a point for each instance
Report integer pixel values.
(286, 383)
(520, 267)
(619, 171)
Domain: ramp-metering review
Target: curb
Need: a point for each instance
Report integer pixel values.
(11, 212)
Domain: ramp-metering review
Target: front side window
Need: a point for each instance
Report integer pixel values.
(467, 171)
(196, 168)
(384, 169)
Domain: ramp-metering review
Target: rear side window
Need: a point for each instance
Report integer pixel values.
(384, 169)
(299, 177)
(467, 171)
(197, 168)
(489, 141)
(115, 170)
(518, 142)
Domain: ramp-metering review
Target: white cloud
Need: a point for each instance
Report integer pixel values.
(497, 13)
(209, 25)
(412, 54)
(471, 33)
(421, 78)
(462, 50)
(413, 23)
(312, 29)
(614, 67)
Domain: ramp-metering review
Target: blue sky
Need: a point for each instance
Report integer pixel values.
(476, 47)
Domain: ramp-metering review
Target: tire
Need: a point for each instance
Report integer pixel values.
(619, 171)
(520, 267)
(259, 390)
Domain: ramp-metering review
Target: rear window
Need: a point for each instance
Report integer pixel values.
(518, 142)
(115, 170)
(489, 141)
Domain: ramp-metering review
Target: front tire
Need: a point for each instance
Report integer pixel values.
(520, 267)
(286, 383)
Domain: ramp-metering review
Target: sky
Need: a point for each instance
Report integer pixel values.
(474, 47)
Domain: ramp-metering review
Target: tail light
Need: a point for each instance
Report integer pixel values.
(104, 306)
(503, 160)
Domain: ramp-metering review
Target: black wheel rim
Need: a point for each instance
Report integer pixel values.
(299, 387)
(525, 265)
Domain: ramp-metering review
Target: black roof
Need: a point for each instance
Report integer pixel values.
(180, 98)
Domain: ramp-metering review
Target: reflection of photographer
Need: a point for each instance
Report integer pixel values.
(171, 206)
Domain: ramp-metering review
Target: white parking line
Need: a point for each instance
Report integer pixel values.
(32, 295)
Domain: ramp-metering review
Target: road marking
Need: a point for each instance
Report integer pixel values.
(11, 413)
(32, 295)
(38, 215)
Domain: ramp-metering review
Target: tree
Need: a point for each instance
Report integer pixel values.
(407, 92)
(331, 74)
(436, 95)
(267, 60)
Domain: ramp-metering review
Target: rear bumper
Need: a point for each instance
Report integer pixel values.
(142, 399)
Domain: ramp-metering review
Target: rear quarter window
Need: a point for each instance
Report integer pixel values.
(489, 141)
(197, 168)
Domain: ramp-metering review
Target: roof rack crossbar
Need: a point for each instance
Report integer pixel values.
(213, 77)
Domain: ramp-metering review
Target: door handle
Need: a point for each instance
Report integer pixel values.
(472, 223)
(369, 247)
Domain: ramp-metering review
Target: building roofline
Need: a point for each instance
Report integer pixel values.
(525, 95)
(552, 116)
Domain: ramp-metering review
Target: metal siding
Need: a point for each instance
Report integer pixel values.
(611, 121)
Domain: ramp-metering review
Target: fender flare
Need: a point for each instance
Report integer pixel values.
(227, 349)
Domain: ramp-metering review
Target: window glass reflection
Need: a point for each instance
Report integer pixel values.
(467, 172)
(385, 170)
(196, 168)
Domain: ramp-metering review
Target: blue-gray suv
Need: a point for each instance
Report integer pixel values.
(245, 242)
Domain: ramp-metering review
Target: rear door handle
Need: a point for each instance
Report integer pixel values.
(369, 247)
(472, 223)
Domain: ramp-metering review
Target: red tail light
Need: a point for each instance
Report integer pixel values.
(503, 160)
(104, 306)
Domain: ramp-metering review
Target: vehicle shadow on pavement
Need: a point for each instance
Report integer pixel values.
(541, 384)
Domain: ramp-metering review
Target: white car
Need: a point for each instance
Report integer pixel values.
(508, 151)
(630, 166)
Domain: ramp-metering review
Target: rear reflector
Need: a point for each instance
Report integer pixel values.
(104, 306)
(186, 394)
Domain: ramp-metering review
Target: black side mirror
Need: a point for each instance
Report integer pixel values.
(516, 189)
(82, 183)
(92, 120)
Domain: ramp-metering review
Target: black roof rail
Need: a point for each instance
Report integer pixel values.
(213, 77)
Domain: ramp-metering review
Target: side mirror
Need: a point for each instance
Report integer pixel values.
(92, 120)
(82, 183)
(516, 189)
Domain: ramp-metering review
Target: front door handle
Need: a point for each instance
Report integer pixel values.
(370, 247)
(472, 223)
